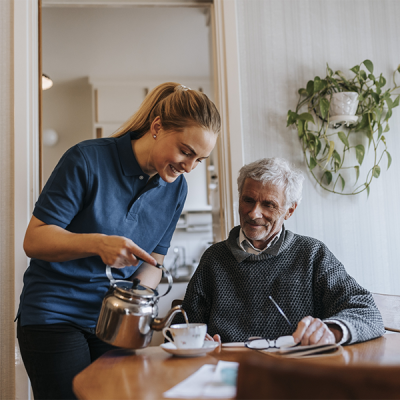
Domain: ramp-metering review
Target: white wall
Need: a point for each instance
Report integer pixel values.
(67, 108)
(282, 45)
(7, 327)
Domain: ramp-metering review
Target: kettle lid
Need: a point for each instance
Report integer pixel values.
(134, 289)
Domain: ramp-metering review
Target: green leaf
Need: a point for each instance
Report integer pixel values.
(306, 117)
(398, 68)
(317, 146)
(367, 186)
(343, 138)
(328, 176)
(331, 149)
(357, 168)
(363, 75)
(343, 181)
(382, 81)
(291, 118)
(324, 107)
(355, 69)
(310, 88)
(336, 156)
(383, 139)
(368, 133)
(303, 92)
(319, 84)
(330, 72)
(376, 171)
(388, 115)
(363, 123)
(372, 77)
(300, 129)
(375, 97)
(340, 73)
(313, 163)
(336, 160)
(378, 114)
(360, 152)
(389, 159)
(389, 103)
(369, 65)
(396, 101)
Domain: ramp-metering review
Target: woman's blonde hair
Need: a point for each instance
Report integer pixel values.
(177, 106)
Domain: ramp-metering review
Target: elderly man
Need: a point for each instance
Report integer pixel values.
(231, 287)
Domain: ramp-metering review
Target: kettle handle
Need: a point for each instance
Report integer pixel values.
(169, 277)
(167, 273)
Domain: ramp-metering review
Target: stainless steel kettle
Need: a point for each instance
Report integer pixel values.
(129, 312)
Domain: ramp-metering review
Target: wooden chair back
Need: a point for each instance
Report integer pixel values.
(176, 302)
(273, 378)
(389, 306)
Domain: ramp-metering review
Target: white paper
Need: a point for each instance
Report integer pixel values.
(205, 382)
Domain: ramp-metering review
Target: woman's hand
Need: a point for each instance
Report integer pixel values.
(120, 252)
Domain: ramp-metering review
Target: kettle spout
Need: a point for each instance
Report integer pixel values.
(159, 323)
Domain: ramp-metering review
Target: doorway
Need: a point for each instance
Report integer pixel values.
(26, 122)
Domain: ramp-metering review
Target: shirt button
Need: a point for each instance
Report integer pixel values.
(141, 177)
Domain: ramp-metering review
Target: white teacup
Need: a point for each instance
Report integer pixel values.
(186, 336)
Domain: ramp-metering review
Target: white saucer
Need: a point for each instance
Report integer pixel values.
(207, 347)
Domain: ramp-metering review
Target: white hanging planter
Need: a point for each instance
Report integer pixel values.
(342, 109)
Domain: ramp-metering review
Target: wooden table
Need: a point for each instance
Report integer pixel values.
(148, 373)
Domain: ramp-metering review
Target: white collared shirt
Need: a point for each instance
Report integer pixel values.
(245, 244)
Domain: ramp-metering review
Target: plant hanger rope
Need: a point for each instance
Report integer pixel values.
(325, 147)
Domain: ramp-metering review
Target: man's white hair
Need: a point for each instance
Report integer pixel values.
(278, 172)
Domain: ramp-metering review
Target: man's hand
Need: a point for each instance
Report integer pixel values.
(313, 331)
(215, 338)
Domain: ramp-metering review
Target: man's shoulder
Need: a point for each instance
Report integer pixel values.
(304, 244)
(303, 239)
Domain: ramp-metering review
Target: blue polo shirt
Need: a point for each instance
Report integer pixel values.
(97, 187)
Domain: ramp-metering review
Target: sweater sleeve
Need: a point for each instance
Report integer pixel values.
(341, 298)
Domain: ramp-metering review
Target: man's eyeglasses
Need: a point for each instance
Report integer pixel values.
(263, 344)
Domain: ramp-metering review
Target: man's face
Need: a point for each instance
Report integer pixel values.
(262, 211)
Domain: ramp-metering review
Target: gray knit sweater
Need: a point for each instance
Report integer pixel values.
(230, 288)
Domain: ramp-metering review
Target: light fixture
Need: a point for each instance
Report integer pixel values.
(47, 83)
(50, 137)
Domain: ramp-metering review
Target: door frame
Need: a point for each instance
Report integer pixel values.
(27, 122)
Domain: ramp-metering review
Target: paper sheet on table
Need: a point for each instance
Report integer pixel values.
(205, 382)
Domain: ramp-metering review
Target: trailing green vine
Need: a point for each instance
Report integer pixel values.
(332, 153)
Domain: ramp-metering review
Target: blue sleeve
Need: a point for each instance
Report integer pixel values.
(63, 195)
(165, 242)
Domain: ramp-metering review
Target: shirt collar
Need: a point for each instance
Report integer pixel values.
(245, 244)
(129, 164)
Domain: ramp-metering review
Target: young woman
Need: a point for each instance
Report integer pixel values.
(109, 201)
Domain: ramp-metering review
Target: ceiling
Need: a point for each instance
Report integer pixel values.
(125, 43)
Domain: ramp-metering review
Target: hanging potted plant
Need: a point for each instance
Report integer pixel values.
(336, 117)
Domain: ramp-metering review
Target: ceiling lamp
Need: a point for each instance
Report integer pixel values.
(47, 83)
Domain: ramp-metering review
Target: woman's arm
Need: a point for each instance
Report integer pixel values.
(148, 274)
(55, 244)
